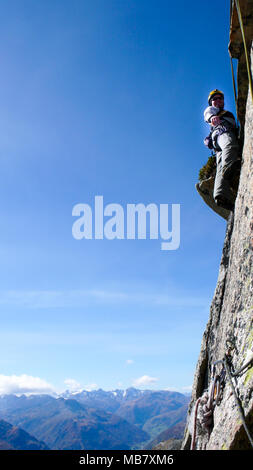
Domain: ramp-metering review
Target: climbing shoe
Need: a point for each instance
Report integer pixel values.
(225, 203)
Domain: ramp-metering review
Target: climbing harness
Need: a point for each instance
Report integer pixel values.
(219, 130)
(211, 398)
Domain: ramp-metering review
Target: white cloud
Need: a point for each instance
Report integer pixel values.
(24, 384)
(129, 361)
(90, 387)
(77, 297)
(144, 380)
(59, 298)
(188, 388)
(172, 389)
(72, 385)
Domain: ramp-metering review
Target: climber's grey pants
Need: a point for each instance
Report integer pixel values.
(224, 158)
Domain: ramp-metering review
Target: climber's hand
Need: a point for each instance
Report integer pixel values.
(215, 121)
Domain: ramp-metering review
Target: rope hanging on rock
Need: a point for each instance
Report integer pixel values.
(231, 63)
(238, 8)
(238, 403)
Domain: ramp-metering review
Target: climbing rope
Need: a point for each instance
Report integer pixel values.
(232, 69)
(193, 442)
(238, 8)
(233, 79)
(210, 398)
(245, 366)
(238, 403)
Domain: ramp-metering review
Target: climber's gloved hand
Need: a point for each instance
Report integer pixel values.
(215, 121)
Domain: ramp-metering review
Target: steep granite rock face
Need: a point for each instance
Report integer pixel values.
(230, 327)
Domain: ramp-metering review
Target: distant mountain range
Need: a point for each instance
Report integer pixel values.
(174, 434)
(120, 419)
(152, 411)
(14, 438)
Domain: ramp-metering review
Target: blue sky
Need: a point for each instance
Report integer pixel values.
(106, 98)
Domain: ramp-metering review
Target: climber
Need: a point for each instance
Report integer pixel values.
(223, 139)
